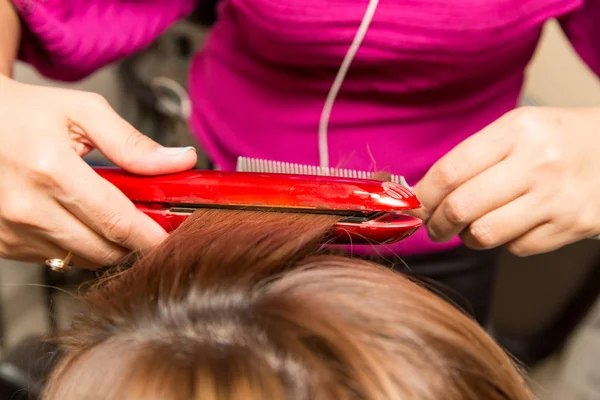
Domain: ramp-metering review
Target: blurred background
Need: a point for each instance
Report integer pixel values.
(546, 309)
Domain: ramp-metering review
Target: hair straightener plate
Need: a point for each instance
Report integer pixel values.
(371, 212)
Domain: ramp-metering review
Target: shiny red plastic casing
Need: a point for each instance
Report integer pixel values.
(169, 199)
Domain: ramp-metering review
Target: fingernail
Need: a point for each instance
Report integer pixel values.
(175, 151)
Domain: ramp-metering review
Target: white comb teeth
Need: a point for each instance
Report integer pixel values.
(247, 164)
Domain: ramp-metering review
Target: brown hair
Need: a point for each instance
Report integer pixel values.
(245, 305)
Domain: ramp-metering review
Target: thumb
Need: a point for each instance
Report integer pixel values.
(128, 148)
(138, 154)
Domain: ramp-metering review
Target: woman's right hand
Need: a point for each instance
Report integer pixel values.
(51, 201)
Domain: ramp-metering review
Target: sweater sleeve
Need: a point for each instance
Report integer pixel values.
(582, 28)
(68, 40)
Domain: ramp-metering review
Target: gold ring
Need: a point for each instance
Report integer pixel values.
(59, 264)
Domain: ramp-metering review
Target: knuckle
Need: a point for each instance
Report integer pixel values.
(134, 140)
(44, 170)
(11, 242)
(447, 174)
(532, 125)
(519, 249)
(432, 231)
(118, 229)
(561, 206)
(567, 211)
(569, 194)
(584, 222)
(23, 250)
(455, 211)
(551, 156)
(18, 211)
(537, 130)
(526, 116)
(535, 137)
(481, 235)
(109, 257)
(96, 100)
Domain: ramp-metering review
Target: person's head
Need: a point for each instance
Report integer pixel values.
(243, 305)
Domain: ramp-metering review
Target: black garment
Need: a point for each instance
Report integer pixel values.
(462, 276)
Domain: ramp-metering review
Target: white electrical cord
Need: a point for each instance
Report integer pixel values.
(339, 79)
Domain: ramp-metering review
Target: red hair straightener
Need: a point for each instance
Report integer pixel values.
(370, 211)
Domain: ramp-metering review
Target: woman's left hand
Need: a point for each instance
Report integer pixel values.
(530, 181)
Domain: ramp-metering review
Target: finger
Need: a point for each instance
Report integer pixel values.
(467, 160)
(544, 238)
(68, 232)
(125, 146)
(39, 250)
(506, 223)
(493, 188)
(104, 208)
